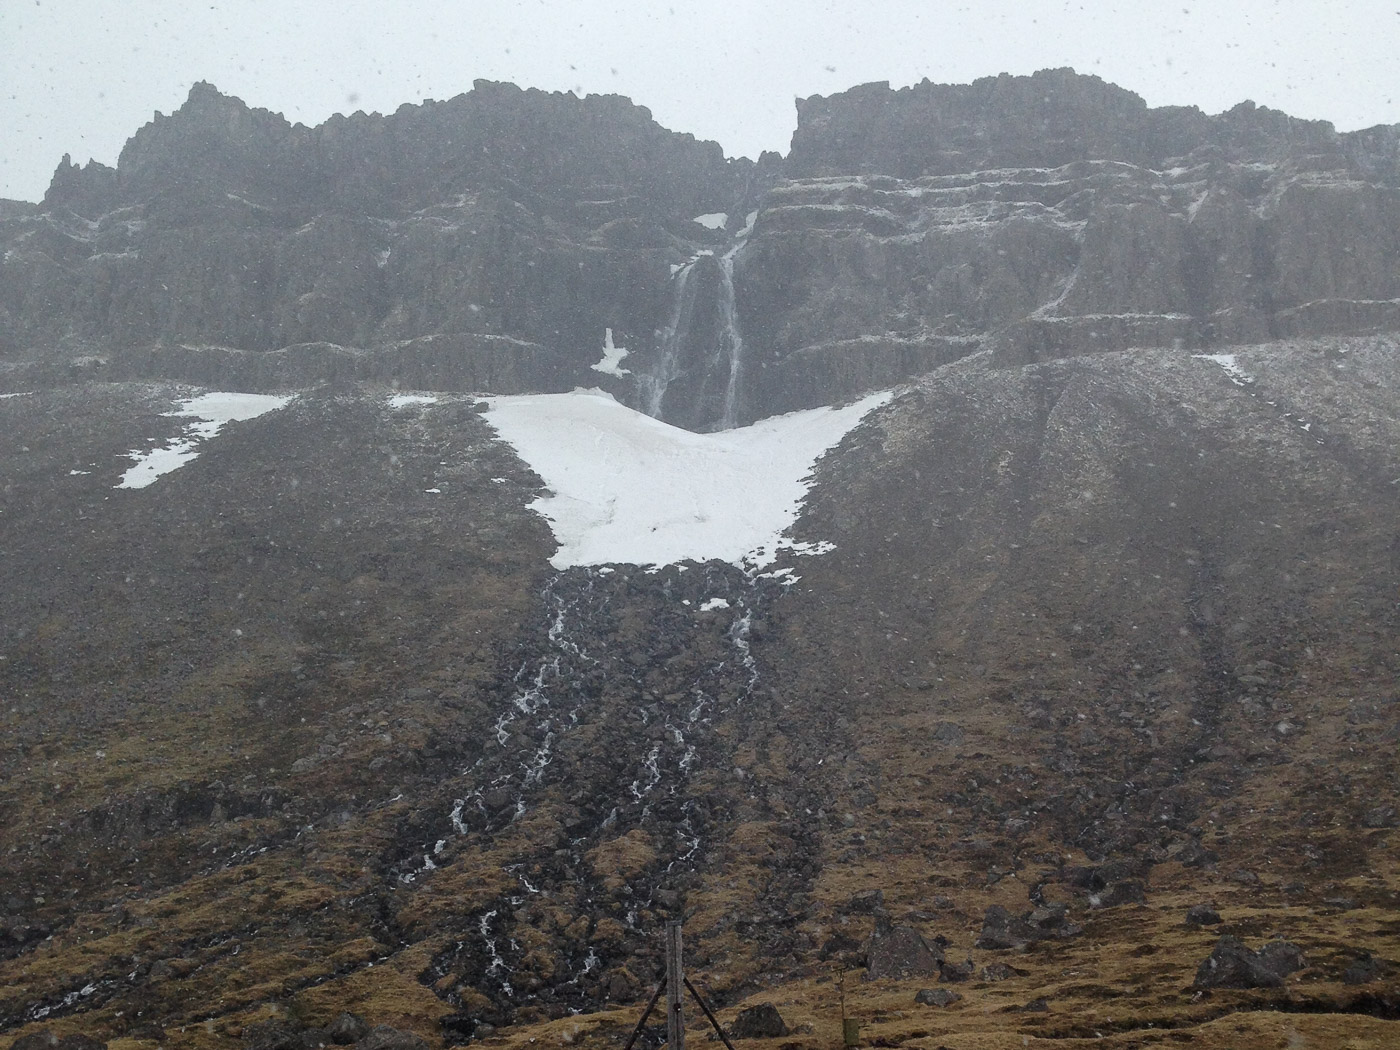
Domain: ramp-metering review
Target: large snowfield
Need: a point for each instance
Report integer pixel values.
(627, 488)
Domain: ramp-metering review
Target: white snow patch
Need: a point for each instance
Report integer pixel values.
(627, 488)
(211, 411)
(713, 220)
(785, 576)
(678, 267)
(20, 393)
(711, 604)
(1237, 375)
(611, 364)
(404, 400)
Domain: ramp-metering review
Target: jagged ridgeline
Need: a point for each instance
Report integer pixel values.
(490, 241)
(1069, 678)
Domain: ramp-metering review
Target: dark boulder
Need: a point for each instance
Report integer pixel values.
(999, 972)
(1128, 891)
(1001, 929)
(955, 973)
(347, 1028)
(936, 997)
(758, 1022)
(1365, 969)
(1192, 854)
(1232, 965)
(1202, 915)
(40, 1040)
(949, 734)
(867, 902)
(900, 952)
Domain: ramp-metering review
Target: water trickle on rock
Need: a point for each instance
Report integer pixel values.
(647, 704)
(697, 379)
(654, 384)
(731, 343)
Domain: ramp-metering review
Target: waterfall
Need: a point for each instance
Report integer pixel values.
(731, 343)
(668, 364)
(698, 375)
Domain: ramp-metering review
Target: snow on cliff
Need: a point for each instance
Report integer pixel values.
(627, 488)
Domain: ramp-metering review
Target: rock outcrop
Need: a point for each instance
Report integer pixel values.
(494, 240)
(536, 217)
(1232, 965)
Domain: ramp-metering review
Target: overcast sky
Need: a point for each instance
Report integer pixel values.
(81, 76)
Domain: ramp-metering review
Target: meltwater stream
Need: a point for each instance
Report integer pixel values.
(608, 719)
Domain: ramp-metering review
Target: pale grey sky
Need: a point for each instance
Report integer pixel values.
(81, 76)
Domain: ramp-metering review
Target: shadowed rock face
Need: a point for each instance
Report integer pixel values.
(852, 281)
(489, 241)
(1050, 119)
(502, 213)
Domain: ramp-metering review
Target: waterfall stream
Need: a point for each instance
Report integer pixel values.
(731, 344)
(697, 378)
(653, 385)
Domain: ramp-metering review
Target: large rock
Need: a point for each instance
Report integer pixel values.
(1001, 929)
(900, 952)
(1366, 968)
(936, 997)
(1232, 965)
(1202, 915)
(347, 1028)
(758, 1022)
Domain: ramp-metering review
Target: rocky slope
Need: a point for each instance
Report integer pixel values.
(1101, 664)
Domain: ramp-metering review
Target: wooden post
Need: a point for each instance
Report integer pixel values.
(645, 1014)
(714, 1021)
(675, 989)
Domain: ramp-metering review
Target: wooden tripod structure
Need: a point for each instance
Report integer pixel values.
(673, 985)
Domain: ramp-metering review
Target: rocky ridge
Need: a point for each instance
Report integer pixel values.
(1039, 216)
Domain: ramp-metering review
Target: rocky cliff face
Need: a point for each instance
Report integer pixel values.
(540, 218)
(1050, 216)
(490, 241)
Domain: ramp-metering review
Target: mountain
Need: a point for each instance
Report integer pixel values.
(441, 548)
